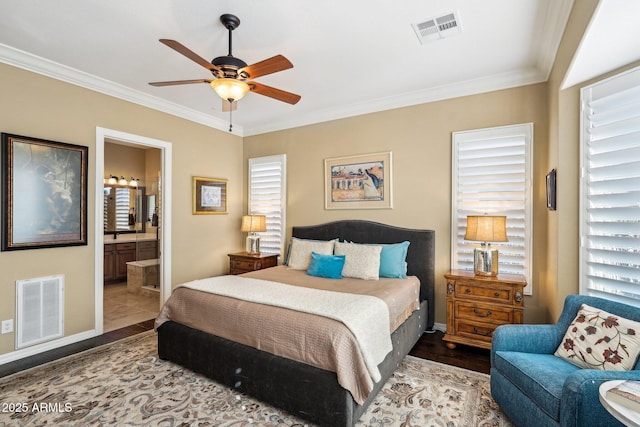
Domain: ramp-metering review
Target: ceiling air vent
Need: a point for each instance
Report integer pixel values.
(441, 27)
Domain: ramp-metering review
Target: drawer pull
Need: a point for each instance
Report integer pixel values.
(486, 334)
(476, 311)
(467, 291)
(497, 294)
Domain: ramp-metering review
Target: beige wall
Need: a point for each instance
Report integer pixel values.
(418, 136)
(562, 275)
(121, 160)
(420, 139)
(41, 107)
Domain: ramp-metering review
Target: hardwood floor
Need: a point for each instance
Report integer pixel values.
(430, 346)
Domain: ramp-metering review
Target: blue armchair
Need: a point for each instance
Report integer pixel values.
(535, 388)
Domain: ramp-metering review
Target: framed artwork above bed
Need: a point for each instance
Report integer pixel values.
(359, 182)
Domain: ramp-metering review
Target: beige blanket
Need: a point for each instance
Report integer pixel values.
(317, 341)
(367, 317)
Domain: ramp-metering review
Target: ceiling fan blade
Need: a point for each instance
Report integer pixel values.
(182, 49)
(268, 66)
(229, 106)
(180, 82)
(274, 93)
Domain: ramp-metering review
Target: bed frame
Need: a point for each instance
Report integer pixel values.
(300, 389)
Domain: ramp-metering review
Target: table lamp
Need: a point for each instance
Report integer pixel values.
(252, 224)
(486, 229)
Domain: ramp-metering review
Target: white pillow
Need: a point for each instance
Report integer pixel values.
(300, 251)
(361, 262)
(597, 339)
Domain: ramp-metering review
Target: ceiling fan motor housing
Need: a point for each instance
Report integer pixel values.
(228, 67)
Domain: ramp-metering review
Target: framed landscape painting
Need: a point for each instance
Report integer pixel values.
(209, 196)
(44, 194)
(359, 182)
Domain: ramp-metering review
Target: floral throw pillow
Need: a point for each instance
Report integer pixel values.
(600, 340)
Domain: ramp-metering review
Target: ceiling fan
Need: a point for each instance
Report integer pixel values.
(232, 76)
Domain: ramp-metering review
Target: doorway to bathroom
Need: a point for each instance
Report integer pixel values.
(132, 228)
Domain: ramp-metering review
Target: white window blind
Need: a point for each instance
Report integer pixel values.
(492, 175)
(267, 196)
(610, 188)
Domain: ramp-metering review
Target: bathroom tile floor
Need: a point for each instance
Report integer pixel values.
(122, 308)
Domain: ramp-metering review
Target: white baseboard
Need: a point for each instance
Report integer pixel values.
(49, 345)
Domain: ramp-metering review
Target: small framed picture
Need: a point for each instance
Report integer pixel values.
(551, 190)
(209, 196)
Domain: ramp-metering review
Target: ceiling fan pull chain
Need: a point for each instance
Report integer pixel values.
(230, 121)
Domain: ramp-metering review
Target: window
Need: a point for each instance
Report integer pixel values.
(267, 196)
(610, 189)
(492, 175)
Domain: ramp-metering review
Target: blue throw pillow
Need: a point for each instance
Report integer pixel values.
(329, 266)
(393, 260)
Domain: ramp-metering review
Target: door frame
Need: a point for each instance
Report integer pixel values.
(165, 217)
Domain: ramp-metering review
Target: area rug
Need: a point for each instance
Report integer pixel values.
(126, 384)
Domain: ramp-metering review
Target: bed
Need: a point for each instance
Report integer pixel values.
(307, 391)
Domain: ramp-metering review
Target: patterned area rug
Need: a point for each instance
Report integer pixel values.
(125, 384)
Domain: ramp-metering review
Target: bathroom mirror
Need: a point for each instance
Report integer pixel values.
(125, 209)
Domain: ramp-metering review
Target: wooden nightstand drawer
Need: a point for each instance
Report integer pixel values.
(483, 292)
(476, 331)
(244, 262)
(486, 312)
(246, 265)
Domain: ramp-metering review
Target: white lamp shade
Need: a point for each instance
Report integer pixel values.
(230, 89)
(486, 228)
(253, 223)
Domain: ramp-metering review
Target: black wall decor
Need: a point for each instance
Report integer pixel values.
(551, 190)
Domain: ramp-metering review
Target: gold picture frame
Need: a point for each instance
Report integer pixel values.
(359, 182)
(209, 196)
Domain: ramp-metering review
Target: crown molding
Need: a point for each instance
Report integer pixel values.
(557, 16)
(439, 93)
(45, 67)
(555, 21)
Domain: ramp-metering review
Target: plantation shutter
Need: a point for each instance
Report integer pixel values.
(122, 208)
(267, 196)
(492, 175)
(610, 190)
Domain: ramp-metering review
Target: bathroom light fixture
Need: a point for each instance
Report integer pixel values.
(486, 229)
(133, 182)
(112, 180)
(123, 181)
(252, 224)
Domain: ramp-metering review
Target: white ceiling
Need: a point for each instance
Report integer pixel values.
(350, 57)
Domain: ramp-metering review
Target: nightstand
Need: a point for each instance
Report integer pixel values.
(243, 262)
(477, 305)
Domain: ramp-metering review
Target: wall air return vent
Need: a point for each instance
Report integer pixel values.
(441, 27)
(40, 310)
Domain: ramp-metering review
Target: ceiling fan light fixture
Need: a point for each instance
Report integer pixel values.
(230, 89)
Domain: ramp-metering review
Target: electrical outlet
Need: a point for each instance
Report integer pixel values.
(7, 326)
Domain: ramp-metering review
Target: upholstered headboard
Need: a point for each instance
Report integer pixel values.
(420, 255)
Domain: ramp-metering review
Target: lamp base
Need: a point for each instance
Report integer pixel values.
(253, 244)
(485, 261)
